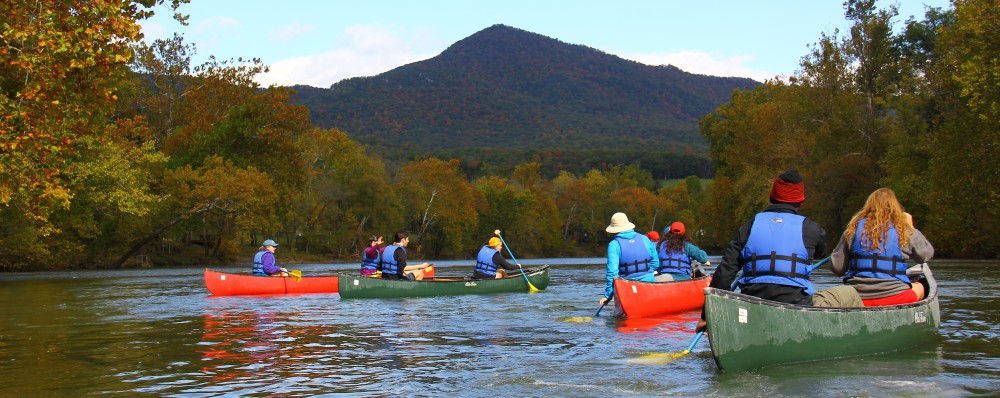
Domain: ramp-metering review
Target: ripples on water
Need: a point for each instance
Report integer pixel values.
(158, 332)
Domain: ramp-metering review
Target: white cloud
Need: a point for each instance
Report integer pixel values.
(212, 24)
(704, 64)
(293, 31)
(361, 51)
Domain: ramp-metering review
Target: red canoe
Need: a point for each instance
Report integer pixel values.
(639, 299)
(223, 284)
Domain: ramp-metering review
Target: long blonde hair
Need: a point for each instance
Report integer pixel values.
(881, 210)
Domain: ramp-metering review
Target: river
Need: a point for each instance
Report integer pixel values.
(157, 332)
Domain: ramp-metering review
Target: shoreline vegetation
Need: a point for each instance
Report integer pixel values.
(117, 153)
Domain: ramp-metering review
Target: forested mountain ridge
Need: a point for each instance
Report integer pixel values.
(504, 87)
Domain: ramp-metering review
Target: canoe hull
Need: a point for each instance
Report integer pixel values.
(225, 284)
(639, 299)
(748, 333)
(352, 286)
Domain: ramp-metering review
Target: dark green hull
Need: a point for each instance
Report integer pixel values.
(355, 286)
(748, 333)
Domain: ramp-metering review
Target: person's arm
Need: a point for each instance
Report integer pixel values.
(502, 262)
(919, 249)
(654, 264)
(730, 266)
(270, 267)
(614, 254)
(401, 258)
(839, 257)
(695, 252)
(812, 232)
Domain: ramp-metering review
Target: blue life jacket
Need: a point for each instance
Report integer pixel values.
(484, 261)
(635, 256)
(389, 264)
(258, 263)
(885, 264)
(674, 262)
(775, 252)
(369, 264)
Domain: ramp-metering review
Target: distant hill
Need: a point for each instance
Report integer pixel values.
(504, 92)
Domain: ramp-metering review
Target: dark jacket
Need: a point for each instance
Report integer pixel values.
(814, 238)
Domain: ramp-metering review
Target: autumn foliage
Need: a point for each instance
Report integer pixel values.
(120, 153)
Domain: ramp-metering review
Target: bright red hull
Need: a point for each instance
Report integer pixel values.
(223, 284)
(639, 299)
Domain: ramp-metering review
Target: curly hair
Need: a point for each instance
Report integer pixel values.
(881, 210)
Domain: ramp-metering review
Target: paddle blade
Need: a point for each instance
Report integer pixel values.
(575, 319)
(658, 358)
(665, 358)
(532, 288)
(295, 274)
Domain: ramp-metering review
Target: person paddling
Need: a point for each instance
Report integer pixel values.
(490, 263)
(676, 252)
(264, 263)
(775, 252)
(631, 255)
(393, 260)
(875, 249)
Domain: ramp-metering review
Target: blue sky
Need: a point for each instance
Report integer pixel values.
(318, 43)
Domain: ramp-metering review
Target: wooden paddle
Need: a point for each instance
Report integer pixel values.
(531, 288)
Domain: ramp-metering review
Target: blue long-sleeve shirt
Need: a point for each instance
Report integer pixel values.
(615, 254)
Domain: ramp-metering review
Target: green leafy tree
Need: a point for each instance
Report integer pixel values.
(346, 198)
(61, 63)
(439, 206)
(964, 198)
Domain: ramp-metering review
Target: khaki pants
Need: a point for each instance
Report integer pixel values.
(839, 296)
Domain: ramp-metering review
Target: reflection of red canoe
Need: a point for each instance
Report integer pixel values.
(640, 299)
(682, 323)
(223, 284)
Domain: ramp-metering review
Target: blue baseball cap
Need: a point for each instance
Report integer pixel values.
(269, 242)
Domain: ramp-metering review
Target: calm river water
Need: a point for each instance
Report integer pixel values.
(159, 333)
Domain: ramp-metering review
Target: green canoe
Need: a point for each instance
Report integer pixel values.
(355, 286)
(748, 333)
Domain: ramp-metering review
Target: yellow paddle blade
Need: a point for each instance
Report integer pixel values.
(575, 319)
(295, 274)
(532, 288)
(658, 358)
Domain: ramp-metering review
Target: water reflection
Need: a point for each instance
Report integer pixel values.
(153, 332)
(674, 324)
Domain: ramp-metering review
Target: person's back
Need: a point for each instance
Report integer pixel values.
(775, 259)
(390, 263)
(876, 249)
(774, 250)
(630, 255)
(676, 253)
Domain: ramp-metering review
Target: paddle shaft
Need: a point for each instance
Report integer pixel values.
(695, 341)
(605, 303)
(530, 286)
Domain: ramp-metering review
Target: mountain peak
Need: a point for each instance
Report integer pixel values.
(528, 91)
